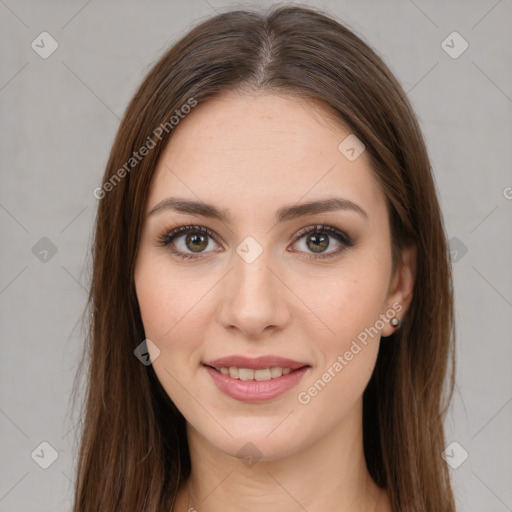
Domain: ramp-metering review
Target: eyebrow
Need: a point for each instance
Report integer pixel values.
(283, 214)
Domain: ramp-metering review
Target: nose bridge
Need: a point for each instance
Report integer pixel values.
(253, 279)
(251, 270)
(253, 300)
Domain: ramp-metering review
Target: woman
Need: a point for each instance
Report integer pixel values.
(271, 301)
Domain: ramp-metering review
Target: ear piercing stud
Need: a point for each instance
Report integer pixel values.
(395, 322)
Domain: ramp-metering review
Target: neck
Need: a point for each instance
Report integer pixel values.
(330, 475)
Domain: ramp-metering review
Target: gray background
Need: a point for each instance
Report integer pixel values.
(59, 116)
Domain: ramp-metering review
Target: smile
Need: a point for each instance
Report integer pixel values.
(255, 379)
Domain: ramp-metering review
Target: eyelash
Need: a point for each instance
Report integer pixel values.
(167, 237)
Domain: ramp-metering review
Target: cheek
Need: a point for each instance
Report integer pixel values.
(347, 358)
(169, 312)
(350, 304)
(164, 302)
(346, 300)
(166, 297)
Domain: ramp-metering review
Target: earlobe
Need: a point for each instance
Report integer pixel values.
(401, 289)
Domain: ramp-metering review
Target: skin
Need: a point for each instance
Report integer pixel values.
(251, 154)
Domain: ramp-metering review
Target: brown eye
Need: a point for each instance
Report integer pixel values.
(317, 239)
(317, 243)
(196, 243)
(188, 241)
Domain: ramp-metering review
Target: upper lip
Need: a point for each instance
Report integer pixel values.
(255, 363)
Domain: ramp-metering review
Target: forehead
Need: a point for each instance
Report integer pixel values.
(251, 150)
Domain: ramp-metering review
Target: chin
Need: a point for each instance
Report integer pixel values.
(263, 440)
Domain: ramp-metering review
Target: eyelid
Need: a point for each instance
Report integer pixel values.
(340, 236)
(168, 236)
(324, 228)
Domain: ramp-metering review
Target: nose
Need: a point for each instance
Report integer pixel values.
(253, 298)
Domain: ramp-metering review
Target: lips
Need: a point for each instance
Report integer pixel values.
(255, 379)
(256, 363)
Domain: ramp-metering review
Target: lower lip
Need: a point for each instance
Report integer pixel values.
(256, 390)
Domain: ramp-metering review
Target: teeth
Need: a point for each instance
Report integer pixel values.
(276, 372)
(263, 374)
(245, 374)
(250, 374)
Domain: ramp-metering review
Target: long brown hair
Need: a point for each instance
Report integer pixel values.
(133, 448)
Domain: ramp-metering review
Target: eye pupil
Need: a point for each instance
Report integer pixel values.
(199, 242)
(319, 242)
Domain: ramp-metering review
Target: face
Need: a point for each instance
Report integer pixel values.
(268, 313)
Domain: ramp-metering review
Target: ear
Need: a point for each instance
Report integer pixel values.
(401, 287)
